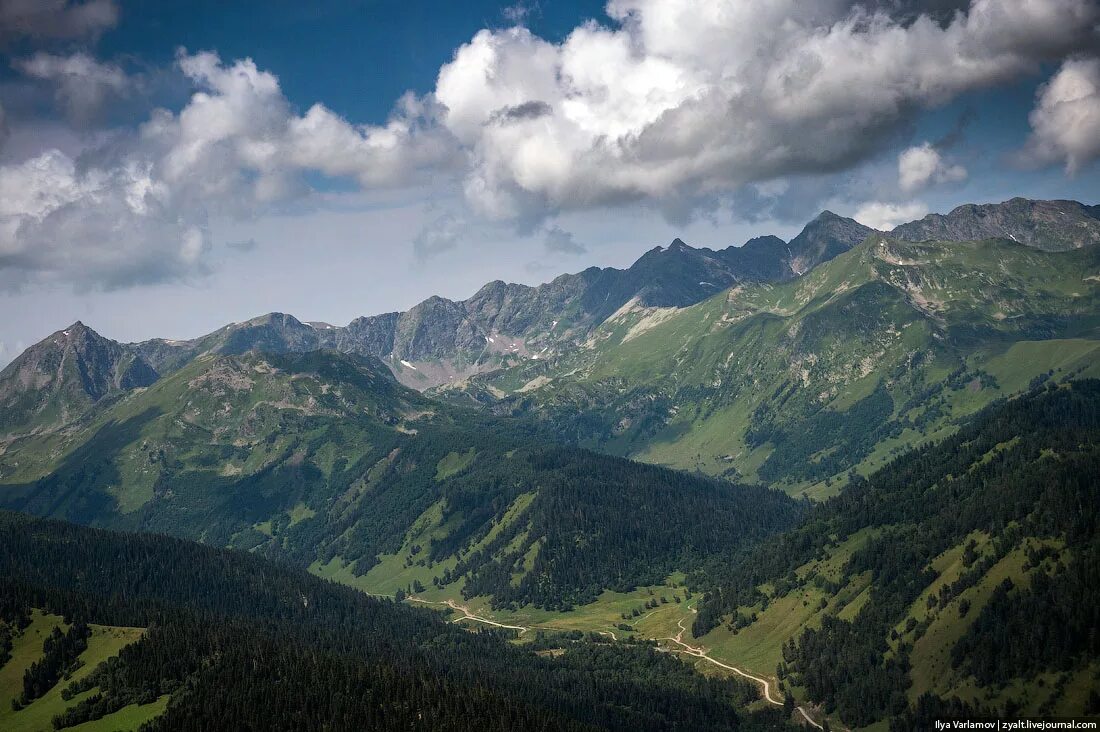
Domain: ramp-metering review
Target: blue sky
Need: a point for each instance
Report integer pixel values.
(168, 167)
(356, 56)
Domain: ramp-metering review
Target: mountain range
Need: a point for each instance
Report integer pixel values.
(797, 383)
(1048, 225)
(602, 452)
(441, 341)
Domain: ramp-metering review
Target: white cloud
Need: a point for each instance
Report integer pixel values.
(922, 165)
(38, 186)
(83, 84)
(137, 210)
(56, 19)
(241, 127)
(518, 13)
(679, 103)
(1066, 120)
(685, 98)
(95, 227)
(886, 216)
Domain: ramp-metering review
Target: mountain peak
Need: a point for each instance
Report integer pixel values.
(76, 338)
(58, 378)
(827, 236)
(77, 329)
(275, 332)
(829, 219)
(273, 318)
(676, 245)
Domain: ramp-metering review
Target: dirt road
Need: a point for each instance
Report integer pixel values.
(702, 654)
(678, 639)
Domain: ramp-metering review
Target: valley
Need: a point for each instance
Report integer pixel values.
(823, 485)
(574, 366)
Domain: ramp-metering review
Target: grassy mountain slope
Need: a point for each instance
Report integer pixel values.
(323, 456)
(962, 570)
(104, 643)
(234, 641)
(909, 565)
(799, 383)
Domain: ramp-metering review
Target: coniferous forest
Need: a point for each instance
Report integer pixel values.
(1025, 472)
(242, 643)
(236, 639)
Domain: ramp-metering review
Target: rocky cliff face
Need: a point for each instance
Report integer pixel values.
(761, 259)
(369, 336)
(1048, 225)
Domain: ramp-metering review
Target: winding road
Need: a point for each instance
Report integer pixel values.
(686, 649)
(701, 653)
(467, 615)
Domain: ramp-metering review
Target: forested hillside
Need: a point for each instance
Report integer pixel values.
(975, 572)
(595, 523)
(324, 457)
(237, 642)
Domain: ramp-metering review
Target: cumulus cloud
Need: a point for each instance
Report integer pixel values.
(83, 85)
(560, 241)
(922, 165)
(107, 228)
(1066, 120)
(886, 216)
(242, 123)
(56, 19)
(683, 98)
(138, 209)
(677, 103)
